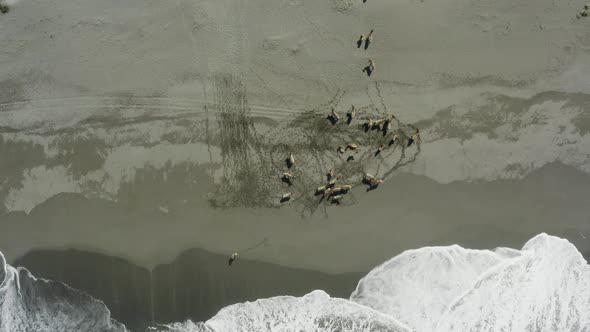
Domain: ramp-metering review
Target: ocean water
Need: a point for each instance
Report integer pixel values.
(196, 285)
(545, 286)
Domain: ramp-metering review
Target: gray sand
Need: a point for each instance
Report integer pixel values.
(405, 212)
(143, 129)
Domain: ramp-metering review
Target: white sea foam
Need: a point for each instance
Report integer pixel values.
(544, 287)
(31, 304)
(316, 311)
(418, 285)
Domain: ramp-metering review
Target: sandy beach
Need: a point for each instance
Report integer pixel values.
(146, 128)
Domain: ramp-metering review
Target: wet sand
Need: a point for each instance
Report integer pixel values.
(142, 130)
(194, 286)
(405, 212)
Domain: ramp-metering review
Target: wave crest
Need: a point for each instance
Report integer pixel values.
(544, 287)
(31, 304)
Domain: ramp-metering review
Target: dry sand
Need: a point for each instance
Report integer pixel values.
(122, 125)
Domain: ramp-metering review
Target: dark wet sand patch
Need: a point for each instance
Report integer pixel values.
(196, 285)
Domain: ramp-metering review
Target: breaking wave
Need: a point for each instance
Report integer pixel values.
(545, 286)
(316, 311)
(31, 304)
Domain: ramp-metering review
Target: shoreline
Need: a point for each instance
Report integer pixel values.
(382, 223)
